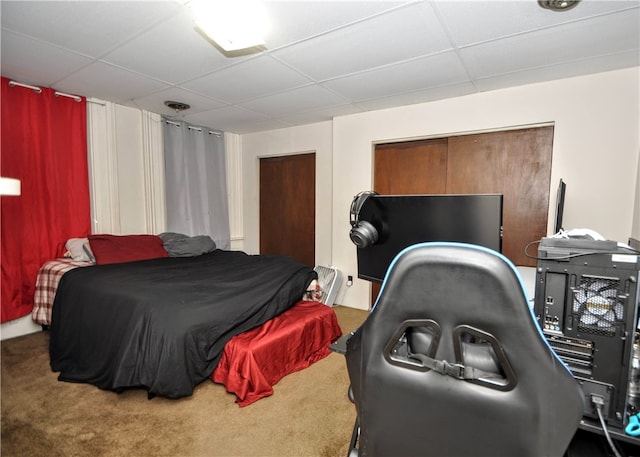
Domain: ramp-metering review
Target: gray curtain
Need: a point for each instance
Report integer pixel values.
(196, 181)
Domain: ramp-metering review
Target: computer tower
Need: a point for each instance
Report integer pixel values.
(586, 302)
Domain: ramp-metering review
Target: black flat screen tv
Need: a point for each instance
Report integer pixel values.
(404, 220)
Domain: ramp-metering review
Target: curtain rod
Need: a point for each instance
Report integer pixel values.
(191, 127)
(62, 94)
(38, 90)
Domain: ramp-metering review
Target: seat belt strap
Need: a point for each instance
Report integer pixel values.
(455, 370)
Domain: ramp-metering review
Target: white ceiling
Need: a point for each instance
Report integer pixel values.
(323, 58)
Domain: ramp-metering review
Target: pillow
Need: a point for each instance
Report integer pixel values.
(125, 248)
(180, 245)
(78, 249)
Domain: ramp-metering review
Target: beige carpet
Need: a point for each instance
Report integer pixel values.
(308, 415)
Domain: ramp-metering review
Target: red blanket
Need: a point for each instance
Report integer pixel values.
(254, 361)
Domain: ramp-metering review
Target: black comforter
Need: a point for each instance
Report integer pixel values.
(161, 324)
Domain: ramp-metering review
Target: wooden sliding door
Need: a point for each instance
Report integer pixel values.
(413, 167)
(516, 163)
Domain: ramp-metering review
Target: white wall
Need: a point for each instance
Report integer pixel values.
(308, 138)
(596, 151)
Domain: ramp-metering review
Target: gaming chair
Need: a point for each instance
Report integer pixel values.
(451, 362)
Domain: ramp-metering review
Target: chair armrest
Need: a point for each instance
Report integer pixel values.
(340, 345)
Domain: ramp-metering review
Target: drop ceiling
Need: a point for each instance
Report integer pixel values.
(322, 59)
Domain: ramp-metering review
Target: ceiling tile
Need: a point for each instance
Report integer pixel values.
(155, 102)
(89, 27)
(431, 71)
(398, 35)
(559, 71)
(96, 80)
(225, 118)
(321, 115)
(36, 62)
(293, 21)
(469, 22)
(303, 99)
(258, 126)
(419, 96)
(249, 79)
(173, 51)
(597, 36)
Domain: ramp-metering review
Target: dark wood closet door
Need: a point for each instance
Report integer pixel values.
(287, 206)
(413, 167)
(407, 168)
(515, 163)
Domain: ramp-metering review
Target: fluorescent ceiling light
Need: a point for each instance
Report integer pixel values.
(233, 25)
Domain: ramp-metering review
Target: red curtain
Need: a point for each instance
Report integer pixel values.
(44, 144)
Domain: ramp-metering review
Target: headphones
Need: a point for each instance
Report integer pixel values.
(363, 233)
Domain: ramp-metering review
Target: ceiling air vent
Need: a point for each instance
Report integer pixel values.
(558, 5)
(178, 106)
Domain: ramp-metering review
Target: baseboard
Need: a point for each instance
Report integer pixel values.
(18, 327)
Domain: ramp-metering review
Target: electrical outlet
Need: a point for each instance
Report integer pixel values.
(349, 281)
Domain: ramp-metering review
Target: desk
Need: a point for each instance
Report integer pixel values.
(593, 426)
(589, 441)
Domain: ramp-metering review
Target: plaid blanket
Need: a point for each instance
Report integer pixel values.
(47, 281)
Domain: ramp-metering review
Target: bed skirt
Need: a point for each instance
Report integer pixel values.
(254, 361)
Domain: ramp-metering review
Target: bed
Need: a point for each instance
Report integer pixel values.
(164, 324)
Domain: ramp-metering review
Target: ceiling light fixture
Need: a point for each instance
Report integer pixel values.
(558, 5)
(233, 25)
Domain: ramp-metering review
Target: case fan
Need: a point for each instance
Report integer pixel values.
(597, 305)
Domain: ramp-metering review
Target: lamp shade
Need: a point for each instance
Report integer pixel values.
(9, 186)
